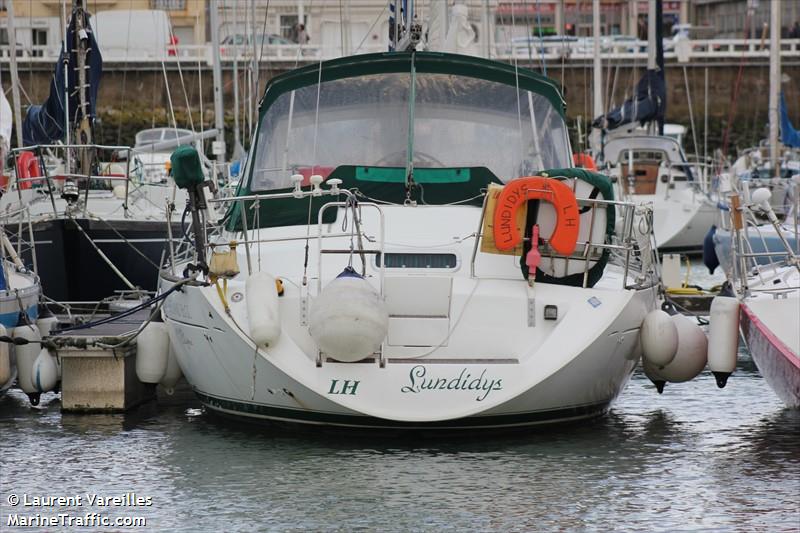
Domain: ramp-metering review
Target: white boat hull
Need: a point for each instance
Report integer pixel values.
(770, 330)
(557, 381)
(682, 225)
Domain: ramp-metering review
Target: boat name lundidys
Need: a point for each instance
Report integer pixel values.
(129, 499)
(420, 382)
(507, 216)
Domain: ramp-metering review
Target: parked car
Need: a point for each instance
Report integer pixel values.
(561, 44)
(244, 43)
(627, 43)
(688, 32)
(133, 33)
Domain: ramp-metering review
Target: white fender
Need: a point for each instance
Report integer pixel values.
(659, 338)
(26, 355)
(45, 371)
(5, 359)
(152, 352)
(173, 373)
(691, 357)
(46, 325)
(348, 320)
(263, 315)
(652, 374)
(723, 337)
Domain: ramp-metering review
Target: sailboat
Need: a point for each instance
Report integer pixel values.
(773, 163)
(770, 300)
(19, 286)
(774, 166)
(653, 168)
(766, 281)
(97, 211)
(411, 247)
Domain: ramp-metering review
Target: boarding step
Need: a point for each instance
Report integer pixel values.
(419, 310)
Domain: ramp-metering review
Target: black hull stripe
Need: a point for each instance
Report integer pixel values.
(282, 414)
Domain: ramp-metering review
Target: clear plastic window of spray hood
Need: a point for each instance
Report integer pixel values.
(458, 122)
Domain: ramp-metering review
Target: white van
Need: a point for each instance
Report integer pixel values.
(133, 34)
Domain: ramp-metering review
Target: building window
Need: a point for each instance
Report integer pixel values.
(168, 5)
(39, 42)
(288, 25)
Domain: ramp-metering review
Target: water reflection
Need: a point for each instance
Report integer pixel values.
(695, 457)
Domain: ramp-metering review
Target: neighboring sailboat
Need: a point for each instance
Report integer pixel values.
(765, 274)
(653, 169)
(754, 168)
(98, 217)
(19, 287)
(770, 303)
(778, 173)
(19, 301)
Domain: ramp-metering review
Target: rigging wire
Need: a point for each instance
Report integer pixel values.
(313, 167)
(541, 41)
(342, 29)
(183, 88)
(124, 65)
(379, 17)
(691, 110)
(169, 95)
(516, 84)
(261, 54)
(736, 87)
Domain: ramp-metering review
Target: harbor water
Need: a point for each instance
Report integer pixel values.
(693, 458)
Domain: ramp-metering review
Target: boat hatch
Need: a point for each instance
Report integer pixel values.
(417, 260)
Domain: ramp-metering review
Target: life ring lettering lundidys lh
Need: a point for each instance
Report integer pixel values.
(517, 192)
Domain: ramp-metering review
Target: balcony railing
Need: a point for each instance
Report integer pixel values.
(168, 5)
(551, 51)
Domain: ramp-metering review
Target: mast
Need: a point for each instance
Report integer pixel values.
(655, 47)
(236, 140)
(597, 81)
(301, 14)
(485, 16)
(219, 119)
(15, 99)
(347, 28)
(253, 71)
(66, 49)
(774, 81)
(651, 35)
(83, 130)
(404, 32)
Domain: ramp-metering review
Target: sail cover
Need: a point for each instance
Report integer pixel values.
(44, 124)
(650, 101)
(648, 104)
(789, 136)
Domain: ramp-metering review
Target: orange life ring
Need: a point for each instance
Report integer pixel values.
(584, 160)
(27, 167)
(517, 192)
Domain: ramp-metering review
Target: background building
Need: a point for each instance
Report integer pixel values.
(345, 26)
(39, 23)
(738, 18)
